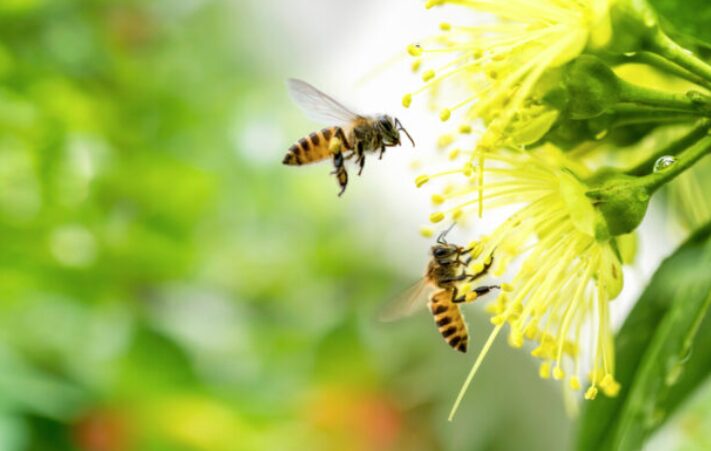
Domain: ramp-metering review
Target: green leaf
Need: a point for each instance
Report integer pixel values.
(656, 362)
(690, 17)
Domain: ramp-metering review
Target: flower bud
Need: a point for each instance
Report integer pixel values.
(621, 202)
(592, 87)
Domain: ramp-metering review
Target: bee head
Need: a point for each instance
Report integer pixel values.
(444, 251)
(390, 128)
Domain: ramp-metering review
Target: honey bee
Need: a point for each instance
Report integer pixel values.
(349, 132)
(446, 269)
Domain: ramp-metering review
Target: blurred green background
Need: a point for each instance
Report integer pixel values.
(166, 284)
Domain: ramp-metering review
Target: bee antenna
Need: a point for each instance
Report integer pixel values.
(400, 127)
(440, 238)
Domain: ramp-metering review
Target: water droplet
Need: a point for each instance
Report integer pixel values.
(664, 162)
(630, 54)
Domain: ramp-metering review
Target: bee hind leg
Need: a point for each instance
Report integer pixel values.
(483, 272)
(382, 151)
(479, 291)
(340, 172)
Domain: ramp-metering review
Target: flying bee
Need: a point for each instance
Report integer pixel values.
(349, 132)
(446, 270)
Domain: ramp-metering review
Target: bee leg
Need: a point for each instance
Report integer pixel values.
(382, 151)
(340, 172)
(459, 278)
(480, 291)
(483, 272)
(361, 157)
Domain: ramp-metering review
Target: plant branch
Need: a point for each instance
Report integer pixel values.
(684, 161)
(664, 46)
(631, 93)
(694, 135)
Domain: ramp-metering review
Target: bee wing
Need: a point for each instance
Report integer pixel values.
(406, 303)
(318, 106)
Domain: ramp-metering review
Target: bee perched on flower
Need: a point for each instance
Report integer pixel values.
(567, 275)
(546, 84)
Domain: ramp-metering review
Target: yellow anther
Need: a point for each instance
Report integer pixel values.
(516, 339)
(426, 231)
(471, 296)
(507, 287)
(497, 320)
(437, 199)
(414, 49)
(544, 371)
(445, 140)
(465, 129)
(421, 180)
(465, 288)
(477, 267)
(531, 332)
(612, 389)
(445, 114)
(444, 26)
(454, 154)
(537, 352)
(591, 393)
(436, 217)
(407, 100)
(430, 3)
(457, 214)
(415, 66)
(574, 383)
(607, 380)
(428, 75)
(558, 373)
(468, 169)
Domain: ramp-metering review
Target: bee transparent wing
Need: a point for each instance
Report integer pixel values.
(318, 106)
(406, 303)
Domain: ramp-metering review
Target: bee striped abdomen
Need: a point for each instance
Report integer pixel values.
(311, 149)
(449, 320)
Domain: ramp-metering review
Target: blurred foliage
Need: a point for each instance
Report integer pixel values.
(658, 358)
(690, 18)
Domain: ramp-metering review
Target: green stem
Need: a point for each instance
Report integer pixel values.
(684, 161)
(694, 135)
(664, 46)
(631, 114)
(661, 99)
(655, 60)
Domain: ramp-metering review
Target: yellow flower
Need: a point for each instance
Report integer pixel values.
(495, 70)
(559, 297)
(500, 63)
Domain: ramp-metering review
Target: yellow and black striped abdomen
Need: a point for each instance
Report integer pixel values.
(312, 148)
(449, 319)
